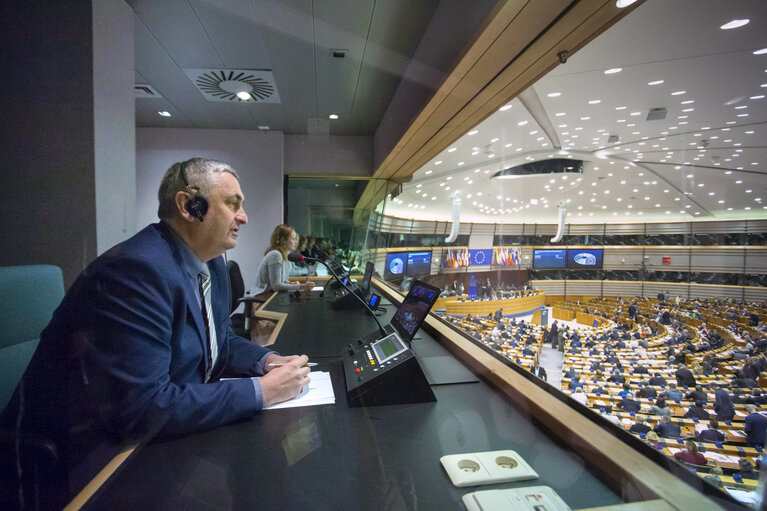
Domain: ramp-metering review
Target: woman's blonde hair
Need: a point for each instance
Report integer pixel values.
(279, 240)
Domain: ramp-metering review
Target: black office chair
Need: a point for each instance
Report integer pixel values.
(240, 320)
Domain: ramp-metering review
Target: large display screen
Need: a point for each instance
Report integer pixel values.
(395, 265)
(418, 263)
(584, 258)
(549, 258)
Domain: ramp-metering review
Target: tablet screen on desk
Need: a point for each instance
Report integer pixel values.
(413, 309)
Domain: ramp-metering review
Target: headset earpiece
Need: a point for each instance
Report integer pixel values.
(197, 205)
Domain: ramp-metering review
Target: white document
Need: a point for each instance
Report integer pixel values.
(318, 392)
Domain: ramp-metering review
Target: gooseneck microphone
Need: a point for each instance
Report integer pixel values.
(296, 257)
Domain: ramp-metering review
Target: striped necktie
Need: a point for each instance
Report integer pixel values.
(207, 317)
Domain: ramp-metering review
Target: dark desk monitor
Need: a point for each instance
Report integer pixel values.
(395, 265)
(413, 309)
(365, 284)
(418, 263)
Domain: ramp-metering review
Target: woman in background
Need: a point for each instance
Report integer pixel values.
(274, 270)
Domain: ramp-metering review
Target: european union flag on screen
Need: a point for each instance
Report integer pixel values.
(481, 257)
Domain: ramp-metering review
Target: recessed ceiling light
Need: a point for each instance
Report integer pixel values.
(504, 108)
(678, 92)
(760, 96)
(427, 172)
(595, 101)
(656, 82)
(452, 149)
(164, 113)
(554, 94)
(333, 116)
(263, 127)
(438, 162)
(619, 69)
(521, 123)
(243, 95)
(735, 24)
(757, 52)
(472, 132)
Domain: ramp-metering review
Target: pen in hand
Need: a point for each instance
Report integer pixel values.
(280, 364)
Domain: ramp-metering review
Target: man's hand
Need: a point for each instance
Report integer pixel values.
(307, 285)
(285, 382)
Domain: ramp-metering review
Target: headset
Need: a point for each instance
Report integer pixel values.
(197, 205)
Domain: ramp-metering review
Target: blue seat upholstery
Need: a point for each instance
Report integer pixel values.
(28, 297)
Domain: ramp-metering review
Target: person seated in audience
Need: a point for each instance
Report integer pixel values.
(617, 377)
(713, 477)
(653, 439)
(660, 408)
(575, 383)
(640, 426)
(723, 406)
(639, 368)
(579, 396)
(747, 470)
(684, 377)
(667, 429)
(697, 411)
(628, 404)
(647, 391)
(697, 394)
(712, 434)
(691, 454)
(658, 379)
(696, 368)
(672, 393)
(750, 369)
(755, 427)
(757, 398)
(743, 382)
(626, 390)
(570, 373)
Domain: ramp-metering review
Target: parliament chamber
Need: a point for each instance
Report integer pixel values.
(582, 181)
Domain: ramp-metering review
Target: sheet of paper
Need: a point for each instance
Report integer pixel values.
(318, 392)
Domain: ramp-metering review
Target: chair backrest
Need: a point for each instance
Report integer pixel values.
(236, 283)
(28, 297)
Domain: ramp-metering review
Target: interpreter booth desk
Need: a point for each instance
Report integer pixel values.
(337, 457)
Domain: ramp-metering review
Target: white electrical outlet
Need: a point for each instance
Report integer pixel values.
(532, 498)
(486, 468)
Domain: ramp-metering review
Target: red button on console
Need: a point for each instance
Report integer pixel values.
(357, 369)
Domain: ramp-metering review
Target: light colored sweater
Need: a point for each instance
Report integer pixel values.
(273, 275)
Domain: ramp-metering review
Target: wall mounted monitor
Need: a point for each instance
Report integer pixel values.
(418, 263)
(548, 258)
(584, 258)
(396, 263)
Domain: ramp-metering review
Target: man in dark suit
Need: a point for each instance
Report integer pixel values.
(539, 371)
(647, 392)
(755, 427)
(640, 426)
(684, 377)
(129, 356)
(697, 395)
(667, 429)
(712, 434)
(630, 405)
(697, 411)
(658, 379)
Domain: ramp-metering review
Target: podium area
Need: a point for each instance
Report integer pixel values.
(388, 457)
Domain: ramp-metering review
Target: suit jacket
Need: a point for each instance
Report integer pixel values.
(540, 373)
(710, 435)
(756, 429)
(668, 430)
(124, 355)
(684, 377)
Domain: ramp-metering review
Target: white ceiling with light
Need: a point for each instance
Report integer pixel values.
(706, 160)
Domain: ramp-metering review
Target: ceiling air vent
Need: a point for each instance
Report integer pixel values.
(656, 114)
(144, 90)
(613, 139)
(222, 85)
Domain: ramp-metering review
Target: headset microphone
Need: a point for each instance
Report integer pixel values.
(197, 205)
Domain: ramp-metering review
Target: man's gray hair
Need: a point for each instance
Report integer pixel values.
(201, 176)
